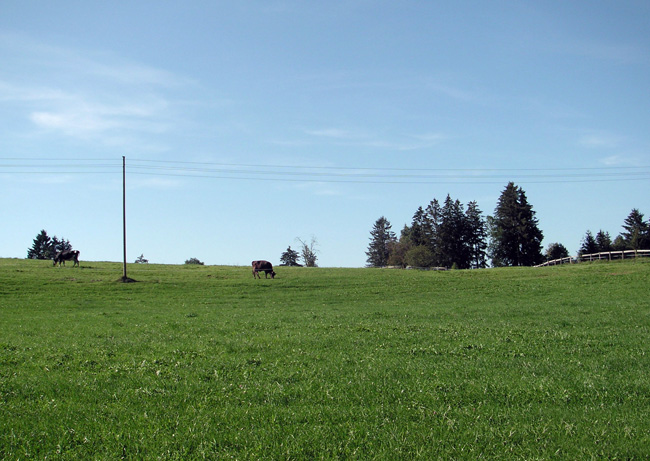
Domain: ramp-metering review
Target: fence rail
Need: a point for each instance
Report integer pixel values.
(605, 255)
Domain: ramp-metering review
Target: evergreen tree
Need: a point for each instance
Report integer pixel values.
(58, 246)
(289, 258)
(516, 239)
(41, 247)
(452, 236)
(433, 219)
(46, 247)
(588, 245)
(381, 237)
(420, 230)
(476, 236)
(556, 251)
(619, 244)
(532, 236)
(636, 231)
(603, 241)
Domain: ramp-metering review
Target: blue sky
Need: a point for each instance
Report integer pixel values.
(248, 124)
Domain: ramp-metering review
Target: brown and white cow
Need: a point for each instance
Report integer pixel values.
(67, 255)
(264, 266)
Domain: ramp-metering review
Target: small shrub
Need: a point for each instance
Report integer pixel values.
(194, 261)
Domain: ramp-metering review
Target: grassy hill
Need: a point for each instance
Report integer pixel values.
(205, 361)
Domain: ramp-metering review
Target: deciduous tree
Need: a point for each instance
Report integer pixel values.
(308, 252)
(420, 256)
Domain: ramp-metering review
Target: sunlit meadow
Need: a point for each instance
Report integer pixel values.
(206, 362)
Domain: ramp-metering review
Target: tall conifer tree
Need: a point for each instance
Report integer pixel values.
(476, 236)
(589, 244)
(516, 239)
(452, 235)
(381, 239)
(637, 231)
(41, 247)
(604, 241)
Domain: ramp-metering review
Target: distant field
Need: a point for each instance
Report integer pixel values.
(205, 362)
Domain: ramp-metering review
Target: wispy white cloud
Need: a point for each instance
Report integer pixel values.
(625, 160)
(72, 123)
(18, 92)
(86, 95)
(336, 133)
(428, 139)
(600, 139)
(78, 65)
(613, 160)
(81, 116)
(456, 93)
(390, 142)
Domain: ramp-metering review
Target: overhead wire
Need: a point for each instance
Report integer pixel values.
(321, 173)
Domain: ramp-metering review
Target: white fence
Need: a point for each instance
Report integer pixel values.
(605, 255)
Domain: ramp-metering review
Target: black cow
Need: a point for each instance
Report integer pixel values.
(67, 255)
(265, 266)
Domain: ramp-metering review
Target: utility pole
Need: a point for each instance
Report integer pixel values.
(124, 277)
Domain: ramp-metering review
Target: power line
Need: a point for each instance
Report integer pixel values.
(248, 165)
(302, 173)
(174, 165)
(444, 174)
(442, 180)
(113, 163)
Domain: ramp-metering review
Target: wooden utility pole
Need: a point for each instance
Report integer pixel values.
(124, 277)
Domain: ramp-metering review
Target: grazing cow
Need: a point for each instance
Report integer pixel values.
(67, 255)
(265, 266)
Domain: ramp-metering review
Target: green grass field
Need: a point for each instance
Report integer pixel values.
(204, 362)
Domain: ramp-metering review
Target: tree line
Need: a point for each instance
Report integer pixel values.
(452, 235)
(449, 235)
(635, 236)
